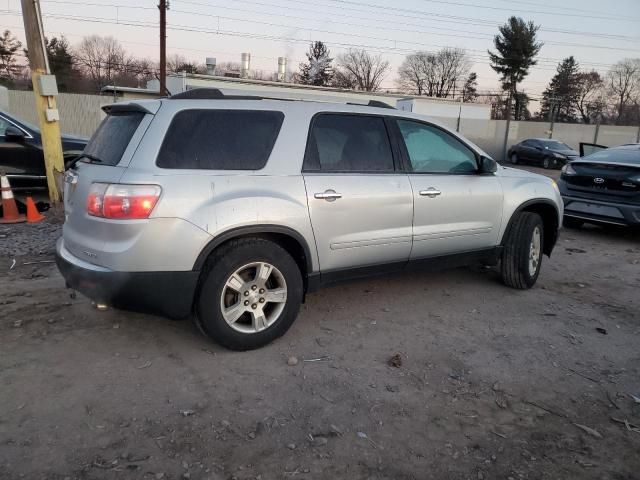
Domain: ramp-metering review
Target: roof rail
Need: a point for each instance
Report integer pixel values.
(205, 93)
(210, 94)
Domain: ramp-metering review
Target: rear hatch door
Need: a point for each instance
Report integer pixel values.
(104, 160)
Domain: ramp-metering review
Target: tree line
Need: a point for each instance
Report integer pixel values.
(573, 94)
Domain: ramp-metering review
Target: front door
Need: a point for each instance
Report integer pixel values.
(456, 209)
(361, 209)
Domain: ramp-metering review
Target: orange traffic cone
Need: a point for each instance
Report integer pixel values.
(9, 208)
(33, 215)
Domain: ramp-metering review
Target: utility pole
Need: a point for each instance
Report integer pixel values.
(553, 103)
(507, 127)
(163, 46)
(45, 91)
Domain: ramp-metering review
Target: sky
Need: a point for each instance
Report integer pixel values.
(596, 33)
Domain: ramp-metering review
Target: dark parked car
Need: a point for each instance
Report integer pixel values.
(542, 151)
(21, 156)
(603, 187)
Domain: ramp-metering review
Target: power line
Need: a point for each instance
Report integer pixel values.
(247, 35)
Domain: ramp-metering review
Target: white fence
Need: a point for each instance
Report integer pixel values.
(81, 115)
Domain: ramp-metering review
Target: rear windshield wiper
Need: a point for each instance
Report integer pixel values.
(91, 158)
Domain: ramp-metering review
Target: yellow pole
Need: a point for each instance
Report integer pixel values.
(49, 127)
(51, 143)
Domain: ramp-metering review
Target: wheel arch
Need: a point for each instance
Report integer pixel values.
(549, 213)
(293, 242)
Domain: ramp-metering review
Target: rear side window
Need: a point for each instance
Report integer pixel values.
(113, 136)
(220, 139)
(348, 143)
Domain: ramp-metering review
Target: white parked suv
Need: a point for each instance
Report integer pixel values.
(230, 209)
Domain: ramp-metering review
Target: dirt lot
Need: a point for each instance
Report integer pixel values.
(493, 382)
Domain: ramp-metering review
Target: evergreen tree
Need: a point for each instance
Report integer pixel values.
(9, 46)
(470, 89)
(61, 62)
(516, 51)
(562, 93)
(317, 70)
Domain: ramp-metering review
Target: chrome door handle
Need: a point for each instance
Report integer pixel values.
(430, 192)
(328, 195)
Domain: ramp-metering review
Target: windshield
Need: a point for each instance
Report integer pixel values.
(112, 137)
(555, 145)
(616, 155)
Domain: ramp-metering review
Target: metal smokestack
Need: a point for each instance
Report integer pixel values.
(282, 68)
(245, 65)
(211, 65)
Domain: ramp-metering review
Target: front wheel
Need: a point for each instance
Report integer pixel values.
(514, 158)
(522, 255)
(250, 294)
(546, 162)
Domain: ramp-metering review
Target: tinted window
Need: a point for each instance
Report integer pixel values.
(432, 150)
(348, 143)
(220, 139)
(3, 125)
(617, 155)
(112, 137)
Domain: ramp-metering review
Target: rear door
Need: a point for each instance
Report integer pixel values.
(361, 208)
(456, 209)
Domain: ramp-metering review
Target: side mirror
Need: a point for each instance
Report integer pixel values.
(487, 165)
(14, 134)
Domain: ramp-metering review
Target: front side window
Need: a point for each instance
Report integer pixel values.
(220, 139)
(348, 143)
(432, 150)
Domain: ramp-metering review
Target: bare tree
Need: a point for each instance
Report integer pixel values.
(590, 101)
(412, 74)
(178, 63)
(623, 82)
(101, 59)
(452, 66)
(434, 74)
(367, 71)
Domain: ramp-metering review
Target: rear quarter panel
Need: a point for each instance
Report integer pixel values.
(218, 201)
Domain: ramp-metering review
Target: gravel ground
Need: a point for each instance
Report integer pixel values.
(424, 375)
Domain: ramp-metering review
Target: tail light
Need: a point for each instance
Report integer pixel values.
(122, 201)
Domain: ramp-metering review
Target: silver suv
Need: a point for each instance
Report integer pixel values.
(230, 209)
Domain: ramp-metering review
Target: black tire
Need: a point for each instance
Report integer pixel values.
(546, 162)
(220, 266)
(570, 222)
(514, 158)
(515, 256)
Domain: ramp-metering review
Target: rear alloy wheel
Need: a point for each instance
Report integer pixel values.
(250, 295)
(523, 250)
(546, 162)
(514, 158)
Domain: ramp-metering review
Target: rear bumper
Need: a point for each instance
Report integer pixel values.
(168, 294)
(601, 211)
